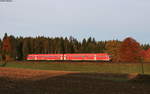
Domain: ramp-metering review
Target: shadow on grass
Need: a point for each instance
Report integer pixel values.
(139, 78)
(76, 83)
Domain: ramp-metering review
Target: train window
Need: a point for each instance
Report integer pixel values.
(101, 56)
(31, 56)
(49, 56)
(81, 56)
(88, 56)
(75, 56)
(40, 56)
(45, 56)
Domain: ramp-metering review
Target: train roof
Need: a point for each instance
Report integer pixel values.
(70, 54)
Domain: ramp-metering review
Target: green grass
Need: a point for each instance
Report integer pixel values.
(84, 67)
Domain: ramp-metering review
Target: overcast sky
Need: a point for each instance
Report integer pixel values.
(101, 19)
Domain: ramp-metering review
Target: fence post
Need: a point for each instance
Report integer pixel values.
(142, 65)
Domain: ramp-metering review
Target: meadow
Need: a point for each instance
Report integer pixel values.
(97, 67)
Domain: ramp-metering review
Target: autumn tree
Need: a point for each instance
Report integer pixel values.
(6, 48)
(0, 49)
(130, 51)
(146, 56)
(112, 47)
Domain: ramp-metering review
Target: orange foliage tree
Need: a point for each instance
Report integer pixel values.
(112, 47)
(147, 55)
(6, 48)
(130, 51)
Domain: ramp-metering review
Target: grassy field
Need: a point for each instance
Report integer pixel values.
(84, 66)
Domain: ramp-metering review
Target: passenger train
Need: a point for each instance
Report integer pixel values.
(70, 57)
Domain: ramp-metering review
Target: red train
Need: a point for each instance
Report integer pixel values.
(70, 57)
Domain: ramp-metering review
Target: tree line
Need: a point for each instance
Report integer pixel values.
(17, 48)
